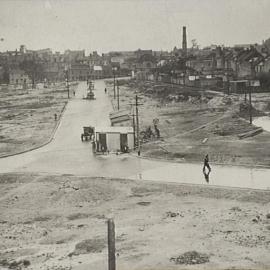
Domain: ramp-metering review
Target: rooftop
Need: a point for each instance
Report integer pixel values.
(114, 129)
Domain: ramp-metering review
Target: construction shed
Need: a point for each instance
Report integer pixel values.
(239, 86)
(114, 139)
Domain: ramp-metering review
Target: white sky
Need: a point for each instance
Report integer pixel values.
(107, 25)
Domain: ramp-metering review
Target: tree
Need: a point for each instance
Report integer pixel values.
(33, 69)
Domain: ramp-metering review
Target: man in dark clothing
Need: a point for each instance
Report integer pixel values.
(105, 90)
(206, 164)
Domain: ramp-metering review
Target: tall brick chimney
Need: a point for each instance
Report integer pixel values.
(184, 42)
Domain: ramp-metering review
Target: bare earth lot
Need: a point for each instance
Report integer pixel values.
(59, 222)
(193, 123)
(27, 117)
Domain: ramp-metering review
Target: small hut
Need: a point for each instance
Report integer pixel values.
(113, 139)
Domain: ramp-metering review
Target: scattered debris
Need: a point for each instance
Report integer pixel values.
(173, 214)
(236, 208)
(250, 133)
(191, 257)
(15, 264)
(205, 140)
(144, 203)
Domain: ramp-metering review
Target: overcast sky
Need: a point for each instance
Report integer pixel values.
(128, 25)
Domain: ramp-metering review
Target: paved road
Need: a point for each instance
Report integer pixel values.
(66, 154)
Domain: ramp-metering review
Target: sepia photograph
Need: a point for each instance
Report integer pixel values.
(134, 134)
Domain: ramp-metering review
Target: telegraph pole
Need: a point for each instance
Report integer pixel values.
(113, 83)
(133, 124)
(250, 108)
(137, 122)
(253, 74)
(118, 95)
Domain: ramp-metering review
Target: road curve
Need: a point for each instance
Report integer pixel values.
(66, 154)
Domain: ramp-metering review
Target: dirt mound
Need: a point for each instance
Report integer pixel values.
(191, 257)
(89, 246)
(220, 101)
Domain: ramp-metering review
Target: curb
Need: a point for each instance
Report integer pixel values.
(45, 143)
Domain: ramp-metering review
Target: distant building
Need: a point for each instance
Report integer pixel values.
(74, 56)
(79, 72)
(202, 64)
(19, 77)
(96, 72)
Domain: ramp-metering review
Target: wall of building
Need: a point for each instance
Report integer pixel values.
(19, 78)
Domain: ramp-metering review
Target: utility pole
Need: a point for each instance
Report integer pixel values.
(111, 245)
(253, 74)
(137, 122)
(113, 83)
(250, 107)
(118, 95)
(133, 124)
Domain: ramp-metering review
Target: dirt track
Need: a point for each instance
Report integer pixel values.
(59, 222)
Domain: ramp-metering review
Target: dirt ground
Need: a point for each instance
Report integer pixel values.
(59, 222)
(27, 116)
(193, 123)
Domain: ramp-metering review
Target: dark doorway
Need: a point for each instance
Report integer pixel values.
(123, 142)
(102, 142)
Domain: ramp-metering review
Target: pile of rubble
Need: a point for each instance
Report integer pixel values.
(191, 257)
(220, 101)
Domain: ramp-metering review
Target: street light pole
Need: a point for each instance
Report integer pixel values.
(67, 80)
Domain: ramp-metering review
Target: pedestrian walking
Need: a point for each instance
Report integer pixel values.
(206, 165)
(105, 90)
(74, 93)
(55, 117)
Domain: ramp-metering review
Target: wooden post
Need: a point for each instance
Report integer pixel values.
(111, 245)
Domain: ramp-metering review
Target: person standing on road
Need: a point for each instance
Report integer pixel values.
(105, 90)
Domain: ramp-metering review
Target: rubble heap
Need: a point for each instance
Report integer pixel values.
(191, 257)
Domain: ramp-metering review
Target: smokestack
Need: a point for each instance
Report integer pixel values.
(184, 43)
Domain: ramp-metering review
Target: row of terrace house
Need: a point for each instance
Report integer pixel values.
(241, 62)
(230, 64)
